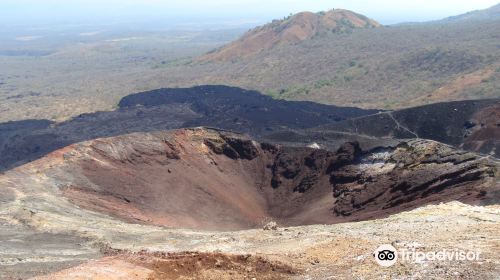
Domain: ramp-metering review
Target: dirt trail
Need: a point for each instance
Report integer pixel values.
(399, 126)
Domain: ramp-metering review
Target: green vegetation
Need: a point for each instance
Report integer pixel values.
(388, 67)
(441, 61)
(173, 62)
(78, 74)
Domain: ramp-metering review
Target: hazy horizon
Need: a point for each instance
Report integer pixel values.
(219, 12)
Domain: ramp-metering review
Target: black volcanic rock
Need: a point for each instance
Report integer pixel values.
(243, 110)
(465, 124)
(472, 125)
(216, 106)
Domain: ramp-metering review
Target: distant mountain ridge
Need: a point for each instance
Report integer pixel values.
(492, 13)
(291, 30)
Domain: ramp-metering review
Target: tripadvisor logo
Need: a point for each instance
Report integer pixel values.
(386, 255)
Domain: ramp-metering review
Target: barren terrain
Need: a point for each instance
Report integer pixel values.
(116, 195)
(341, 251)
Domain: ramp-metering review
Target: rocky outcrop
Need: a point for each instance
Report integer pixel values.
(415, 172)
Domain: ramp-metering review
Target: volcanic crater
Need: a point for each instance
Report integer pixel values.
(216, 180)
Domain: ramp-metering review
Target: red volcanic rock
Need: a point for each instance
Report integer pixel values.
(185, 265)
(206, 179)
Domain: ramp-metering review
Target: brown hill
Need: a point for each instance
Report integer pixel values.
(293, 29)
(387, 67)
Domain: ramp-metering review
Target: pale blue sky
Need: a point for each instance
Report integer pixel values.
(385, 11)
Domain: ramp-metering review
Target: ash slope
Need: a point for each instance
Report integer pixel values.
(470, 125)
(218, 106)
